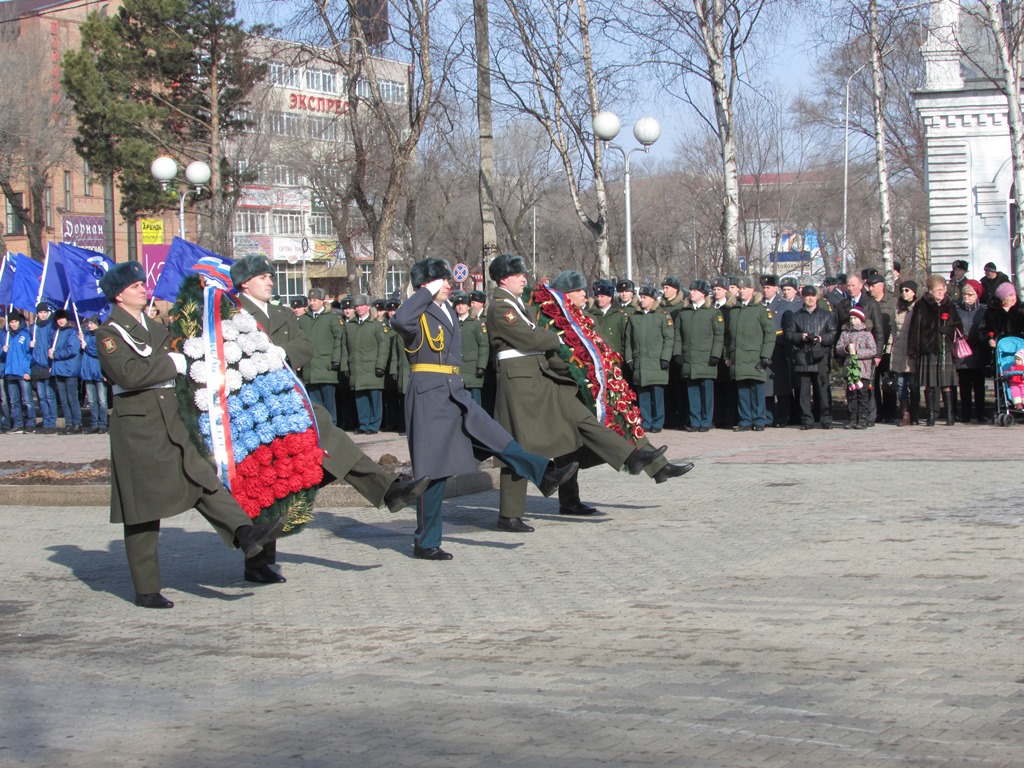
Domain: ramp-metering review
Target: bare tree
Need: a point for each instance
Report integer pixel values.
(546, 70)
(34, 134)
(341, 36)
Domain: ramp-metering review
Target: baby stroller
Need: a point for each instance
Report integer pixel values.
(1006, 349)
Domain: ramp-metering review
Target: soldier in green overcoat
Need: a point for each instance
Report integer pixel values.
(368, 352)
(750, 342)
(699, 344)
(156, 470)
(475, 347)
(396, 378)
(649, 341)
(324, 329)
(609, 320)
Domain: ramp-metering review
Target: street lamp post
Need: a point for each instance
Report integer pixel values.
(846, 163)
(165, 170)
(645, 130)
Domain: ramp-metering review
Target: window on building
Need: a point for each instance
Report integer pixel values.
(393, 280)
(86, 179)
(249, 222)
(67, 191)
(286, 176)
(392, 92)
(321, 81)
(14, 225)
(288, 281)
(321, 225)
(285, 124)
(323, 128)
(288, 223)
(283, 75)
(363, 88)
(48, 207)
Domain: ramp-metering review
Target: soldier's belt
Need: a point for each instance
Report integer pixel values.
(505, 354)
(429, 368)
(119, 390)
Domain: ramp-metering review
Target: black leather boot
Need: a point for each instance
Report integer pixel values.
(931, 403)
(947, 404)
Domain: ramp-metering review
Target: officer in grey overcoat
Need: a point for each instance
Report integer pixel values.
(448, 431)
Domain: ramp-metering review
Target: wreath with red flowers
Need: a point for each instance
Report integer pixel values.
(621, 412)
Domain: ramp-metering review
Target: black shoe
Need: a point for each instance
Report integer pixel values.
(670, 471)
(264, 574)
(758, 427)
(638, 460)
(251, 538)
(431, 553)
(576, 508)
(76, 429)
(691, 429)
(653, 431)
(704, 429)
(806, 426)
(153, 600)
(49, 430)
(827, 426)
(402, 493)
(555, 476)
(746, 428)
(513, 525)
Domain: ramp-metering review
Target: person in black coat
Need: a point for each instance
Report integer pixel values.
(930, 346)
(1003, 317)
(810, 333)
(993, 279)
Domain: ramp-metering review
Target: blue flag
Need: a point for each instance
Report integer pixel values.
(181, 257)
(7, 280)
(54, 288)
(28, 275)
(84, 269)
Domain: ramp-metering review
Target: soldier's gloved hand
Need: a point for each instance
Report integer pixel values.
(434, 286)
(766, 362)
(677, 359)
(378, 372)
(393, 377)
(179, 362)
(335, 366)
(479, 373)
(714, 361)
(664, 365)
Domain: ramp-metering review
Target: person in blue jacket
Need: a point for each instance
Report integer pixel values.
(92, 378)
(42, 340)
(66, 355)
(17, 356)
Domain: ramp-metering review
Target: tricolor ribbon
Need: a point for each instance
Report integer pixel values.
(590, 348)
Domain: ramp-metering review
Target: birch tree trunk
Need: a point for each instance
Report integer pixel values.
(882, 168)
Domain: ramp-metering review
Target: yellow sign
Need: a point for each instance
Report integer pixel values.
(152, 231)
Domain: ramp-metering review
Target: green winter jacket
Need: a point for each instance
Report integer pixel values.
(649, 341)
(700, 337)
(368, 351)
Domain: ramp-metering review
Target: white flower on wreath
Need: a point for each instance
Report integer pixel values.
(248, 369)
(197, 372)
(201, 398)
(245, 323)
(193, 348)
(232, 352)
(233, 380)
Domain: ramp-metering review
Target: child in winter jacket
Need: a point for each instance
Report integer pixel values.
(856, 346)
(17, 358)
(1015, 379)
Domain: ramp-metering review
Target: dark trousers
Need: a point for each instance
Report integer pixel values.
(813, 397)
(324, 395)
(725, 399)
(700, 395)
(652, 406)
(140, 539)
(860, 401)
(885, 401)
(750, 403)
(368, 406)
(971, 382)
(676, 410)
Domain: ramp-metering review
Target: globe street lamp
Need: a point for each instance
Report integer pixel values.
(645, 130)
(165, 170)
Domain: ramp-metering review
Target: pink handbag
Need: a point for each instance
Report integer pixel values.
(961, 348)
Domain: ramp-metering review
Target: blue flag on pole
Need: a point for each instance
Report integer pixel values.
(54, 287)
(7, 279)
(181, 257)
(83, 269)
(28, 275)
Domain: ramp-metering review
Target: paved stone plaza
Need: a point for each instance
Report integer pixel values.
(813, 599)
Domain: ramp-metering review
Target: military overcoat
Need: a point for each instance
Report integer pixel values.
(327, 334)
(476, 350)
(649, 341)
(441, 417)
(368, 351)
(750, 339)
(700, 337)
(156, 471)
